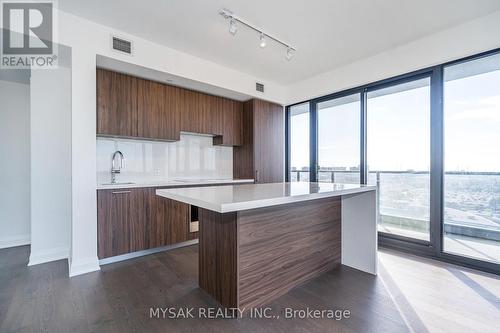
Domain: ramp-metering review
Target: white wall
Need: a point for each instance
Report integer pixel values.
(15, 165)
(467, 39)
(192, 157)
(50, 164)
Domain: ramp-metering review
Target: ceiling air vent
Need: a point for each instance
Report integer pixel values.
(121, 45)
(259, 87)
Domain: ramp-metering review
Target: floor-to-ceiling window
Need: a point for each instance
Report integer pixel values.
(430, 141)
(398, 148)
(299, 142)
(339, 140)
(472, 159)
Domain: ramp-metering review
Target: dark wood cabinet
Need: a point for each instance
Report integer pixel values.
(269, 141)
(189, 111)
(261, 153)
(232, 123)
(197, 112)
(173, 217)
(134, 107)
(117, 222)
(116, 104)
(205, 120)
(159, 113)
(216, 114)
(130, 220)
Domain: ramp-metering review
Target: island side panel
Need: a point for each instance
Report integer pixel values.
(218, 256)
(359, 231)
(283, 246)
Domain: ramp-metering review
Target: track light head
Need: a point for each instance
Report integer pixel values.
(263, 41)
(235, 22)
(233, 26)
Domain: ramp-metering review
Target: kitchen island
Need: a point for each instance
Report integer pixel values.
(258, 241)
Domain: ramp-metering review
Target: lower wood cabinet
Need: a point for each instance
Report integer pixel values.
(130, 220)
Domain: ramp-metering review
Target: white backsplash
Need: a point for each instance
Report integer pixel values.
(193, 157)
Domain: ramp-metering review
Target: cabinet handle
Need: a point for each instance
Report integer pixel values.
(121, 192)
(256, 176)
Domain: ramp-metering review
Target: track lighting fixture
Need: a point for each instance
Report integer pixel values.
(262, 40)
(233, 28)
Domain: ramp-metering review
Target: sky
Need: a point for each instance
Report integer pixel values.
(399, 129)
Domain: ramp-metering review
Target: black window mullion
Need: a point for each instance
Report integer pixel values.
(313, 141)
(363, 167)
(437, 161)
(287, 144)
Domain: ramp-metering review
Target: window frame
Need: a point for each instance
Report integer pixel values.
(434, 247)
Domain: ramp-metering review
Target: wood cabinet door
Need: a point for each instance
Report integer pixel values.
(171, 224)
(158, 111)
(216, 114)
(243, 156)
(205, 119)
(121, 222)
(171, 121)
(168, 221)
(155, 216)
(237, 123)
(130, 220)
(232, 117)
(268, 128)
(116, 104)
(114, 222)
(149, 105)
(189, 111)
(177, 220)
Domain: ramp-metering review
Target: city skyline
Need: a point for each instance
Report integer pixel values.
(471, 105)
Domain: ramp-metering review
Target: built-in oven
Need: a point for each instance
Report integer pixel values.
(193, 222)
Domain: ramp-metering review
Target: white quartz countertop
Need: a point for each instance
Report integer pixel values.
(224, 199)
(172, 183)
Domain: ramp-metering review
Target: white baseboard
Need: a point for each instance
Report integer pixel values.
(132, 255)
(41, 257)
(12, 241)
(82, 266)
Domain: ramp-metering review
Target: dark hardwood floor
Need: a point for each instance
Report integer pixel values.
(411, 294)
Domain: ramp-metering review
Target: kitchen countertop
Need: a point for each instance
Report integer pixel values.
(172, 183)
(226, 199)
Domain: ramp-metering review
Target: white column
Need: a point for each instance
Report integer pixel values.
(83, 257)
(50, 164)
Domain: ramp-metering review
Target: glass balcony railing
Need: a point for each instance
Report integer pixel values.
(472, 204)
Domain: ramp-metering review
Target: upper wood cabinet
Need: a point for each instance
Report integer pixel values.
(261, 154)
(216, 114)
(232, 124)
(190, 111)
(159, 111)
(133, 107)
(116, 104)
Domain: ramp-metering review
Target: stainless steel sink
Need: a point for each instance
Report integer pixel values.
(118, 183)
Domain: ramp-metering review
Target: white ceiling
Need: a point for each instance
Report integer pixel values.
(327, 33)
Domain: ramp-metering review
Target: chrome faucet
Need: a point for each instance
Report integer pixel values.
(115, 170)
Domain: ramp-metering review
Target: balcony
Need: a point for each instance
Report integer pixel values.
(471, 212)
